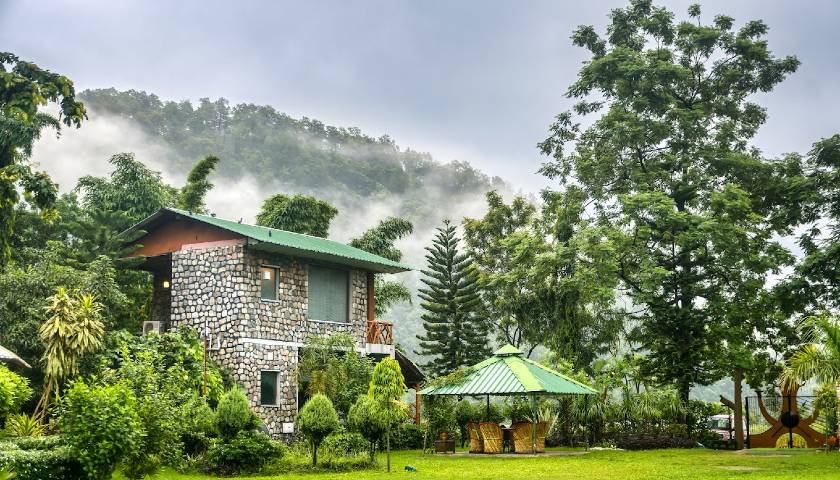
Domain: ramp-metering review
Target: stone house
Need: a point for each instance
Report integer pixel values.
(256, 295)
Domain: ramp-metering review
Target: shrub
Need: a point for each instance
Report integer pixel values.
(55, 464)
(332, 366)
(518, 410)
(14, 391)
(316, 420)
(364, 419)
(439, 412)
(37, 443)
(165, 374)
(234, 414)
(180, 354)
(23, 425)
(198, 427)
(37, 458)
(407, 436)
(101, 425)
(652, 443)
(465, 412)
(346, 444)
(246, 452)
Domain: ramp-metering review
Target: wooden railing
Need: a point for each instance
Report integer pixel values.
(380, 332)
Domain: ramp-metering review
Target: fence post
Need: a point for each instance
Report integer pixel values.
(747, 418)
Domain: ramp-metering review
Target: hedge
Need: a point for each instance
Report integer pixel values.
(55, 464)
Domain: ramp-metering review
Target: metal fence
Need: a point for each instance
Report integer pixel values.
(787, 412)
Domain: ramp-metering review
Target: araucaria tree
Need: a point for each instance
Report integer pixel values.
(455, 335)
(669, 168)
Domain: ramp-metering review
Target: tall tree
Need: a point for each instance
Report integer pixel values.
(817, 279)
(455, 335)
(485, 239)
(668, 165)
(132, 188)
(380, 240)
(24, 89)
(191, 196)
(297, 213)
(548, 275)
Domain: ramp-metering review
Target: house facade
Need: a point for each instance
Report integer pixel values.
(257, 295)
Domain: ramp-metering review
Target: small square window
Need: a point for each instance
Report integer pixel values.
(268, 388)
(268, 277)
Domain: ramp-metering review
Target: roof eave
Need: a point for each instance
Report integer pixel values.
(337, 259)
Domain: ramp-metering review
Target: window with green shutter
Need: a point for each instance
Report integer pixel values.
(328, 294)
(268, 387)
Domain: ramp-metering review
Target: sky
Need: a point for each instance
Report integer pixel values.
(478, 81)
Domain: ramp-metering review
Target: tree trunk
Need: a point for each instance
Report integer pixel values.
(388, 447)
(684, 388)
(837, 390)
(739, 409)
(314, 454)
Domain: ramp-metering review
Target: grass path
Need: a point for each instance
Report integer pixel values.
(656, 464)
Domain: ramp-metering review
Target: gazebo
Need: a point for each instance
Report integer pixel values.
(508, 373)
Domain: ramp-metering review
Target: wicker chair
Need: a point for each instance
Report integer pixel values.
(476, 442)
(542, 431)
(492, 435)
(522, 437)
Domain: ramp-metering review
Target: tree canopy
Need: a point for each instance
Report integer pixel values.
(25, 89)
(667, 164)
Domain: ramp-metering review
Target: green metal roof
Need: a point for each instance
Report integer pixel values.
(289, 243)
(508, 372)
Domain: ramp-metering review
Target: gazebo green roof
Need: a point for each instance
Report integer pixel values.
(508, 372)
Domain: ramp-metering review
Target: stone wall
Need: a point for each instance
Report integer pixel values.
(218, 290)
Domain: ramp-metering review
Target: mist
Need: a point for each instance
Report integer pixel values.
(74, 153)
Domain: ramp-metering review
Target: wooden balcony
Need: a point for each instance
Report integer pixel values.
(380, 332)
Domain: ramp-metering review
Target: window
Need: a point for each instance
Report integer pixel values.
(269, 283)
(268, 388)
(328, 294)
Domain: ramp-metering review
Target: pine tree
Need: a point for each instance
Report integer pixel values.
(455, 334)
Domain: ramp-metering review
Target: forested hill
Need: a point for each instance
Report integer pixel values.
(305, 154)
(367, 178)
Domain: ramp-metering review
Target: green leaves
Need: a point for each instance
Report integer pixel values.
(101, 425)
(72, 330)
(24, 89)
(687, 208)
(330, 365)
(316, 420)
(191, 196)
(297, 213)
(387, 387)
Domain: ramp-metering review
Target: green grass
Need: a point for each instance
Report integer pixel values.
(655, 464)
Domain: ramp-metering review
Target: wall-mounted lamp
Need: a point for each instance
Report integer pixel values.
(166, 284)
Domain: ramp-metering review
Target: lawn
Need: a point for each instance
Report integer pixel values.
(613, 465)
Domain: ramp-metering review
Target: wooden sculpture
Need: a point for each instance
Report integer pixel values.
(788, 420)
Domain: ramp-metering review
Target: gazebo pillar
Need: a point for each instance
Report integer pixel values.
(534, 419)
(417, 404)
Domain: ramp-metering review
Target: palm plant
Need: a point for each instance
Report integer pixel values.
(72, 330)
(23, 425)
(820, 358)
